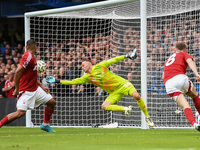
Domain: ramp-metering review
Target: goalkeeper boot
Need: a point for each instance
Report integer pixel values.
(46, 128)
(197, 127)
(128, 110)
(149, 121)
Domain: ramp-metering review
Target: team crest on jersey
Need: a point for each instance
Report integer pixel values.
(26, 63)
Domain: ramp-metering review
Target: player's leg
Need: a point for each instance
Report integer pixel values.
(110, 104)
(131, 91)
(25, 101)
(196, 100)
(110, 101)
(11, 117)
(43, 98)
(183, 103)
(142, 106)
(110, 107)
(191, 92)
(48, 111)
(176, 87)
(140, 102)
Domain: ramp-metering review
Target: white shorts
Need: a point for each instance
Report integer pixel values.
(177, 85)
(30, 100)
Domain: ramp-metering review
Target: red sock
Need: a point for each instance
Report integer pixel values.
(47, 114)
(4, 121)
(189, 115)
(196, 102)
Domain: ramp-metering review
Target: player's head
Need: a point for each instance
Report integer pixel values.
(87, 66)
(31, 45)
(181, 47)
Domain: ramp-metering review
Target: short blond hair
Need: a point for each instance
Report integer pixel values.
(88, 60)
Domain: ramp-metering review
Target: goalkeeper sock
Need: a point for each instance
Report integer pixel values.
(115, 108)
(47, 115)
(189, 115)
(142, 106)
(4, 121)
(196, 102)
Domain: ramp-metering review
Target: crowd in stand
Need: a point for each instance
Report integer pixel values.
(9, 59)
(64, 58)
(10, 55)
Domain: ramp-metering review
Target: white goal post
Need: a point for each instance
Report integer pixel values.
(103, 30)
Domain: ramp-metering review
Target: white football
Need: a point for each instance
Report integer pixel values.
(41, 66)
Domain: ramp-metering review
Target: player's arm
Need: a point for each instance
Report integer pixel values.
(111, 61)
(193, 67)
(73, 82)
(81, 80)
(18, 74)
(5, 89)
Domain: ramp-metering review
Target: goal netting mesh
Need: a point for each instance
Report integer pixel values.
(66, 39)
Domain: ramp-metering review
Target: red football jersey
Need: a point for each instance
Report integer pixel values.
(176, 64)
(28, 81)
(10, 92)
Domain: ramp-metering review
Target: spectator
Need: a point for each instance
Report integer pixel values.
(13, 67)
(87, 89)
(130, 77)
(9, 86)
(71, 71)
(10, 61)
(62, 73)
(3, 47)
(14, 52)
(2, 58)
(74, 90)
(2, 84)
(17, 60)
(5, 77)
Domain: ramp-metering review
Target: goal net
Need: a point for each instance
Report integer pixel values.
(67, 36)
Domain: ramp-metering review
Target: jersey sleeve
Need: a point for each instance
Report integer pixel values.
(187, 56)
(80, 80)
(25, 60)
(112, 61)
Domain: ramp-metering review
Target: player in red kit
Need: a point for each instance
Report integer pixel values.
(31, 93)
(177, 82)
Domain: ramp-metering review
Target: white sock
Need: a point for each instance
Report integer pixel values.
(45, 124)
(125, 108)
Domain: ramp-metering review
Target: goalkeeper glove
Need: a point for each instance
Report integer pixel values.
(132, 55)
(51, 79)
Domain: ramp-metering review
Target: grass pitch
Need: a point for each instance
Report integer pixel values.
(21, 138)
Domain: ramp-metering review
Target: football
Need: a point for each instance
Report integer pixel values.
(41, 66)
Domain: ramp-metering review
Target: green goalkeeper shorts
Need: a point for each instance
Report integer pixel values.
(125, 88)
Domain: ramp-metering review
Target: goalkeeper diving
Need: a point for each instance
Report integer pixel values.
(99, 75)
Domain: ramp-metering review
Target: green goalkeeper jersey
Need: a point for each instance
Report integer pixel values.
(101, 76)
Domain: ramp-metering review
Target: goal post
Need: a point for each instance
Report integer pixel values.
(67, 36)
(143, 26)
